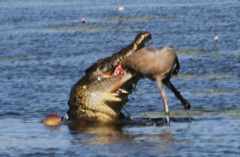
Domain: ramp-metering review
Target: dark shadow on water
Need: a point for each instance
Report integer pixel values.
(162, 121)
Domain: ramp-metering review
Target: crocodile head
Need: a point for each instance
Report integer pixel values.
(103, 91)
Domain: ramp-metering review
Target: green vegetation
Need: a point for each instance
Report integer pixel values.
(76, 28)
(235, 113)
(211, 76)
(12, 59)
(215, 91)
(189, 51)
(131, 19)
(140, 19)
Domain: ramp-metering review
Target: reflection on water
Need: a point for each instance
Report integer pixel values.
(86, 133)
(95, 134)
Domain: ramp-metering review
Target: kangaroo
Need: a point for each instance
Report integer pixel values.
(158, 65)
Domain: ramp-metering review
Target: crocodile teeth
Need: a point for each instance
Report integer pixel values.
(120, 90)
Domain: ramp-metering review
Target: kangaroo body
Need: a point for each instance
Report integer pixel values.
(158, 65)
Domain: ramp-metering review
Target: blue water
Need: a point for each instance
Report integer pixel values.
(44, 50)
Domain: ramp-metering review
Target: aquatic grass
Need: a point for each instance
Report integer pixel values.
(235, 113)
(207, 53)
(96, 28)
(86, 28)
(214, 55)
(139, 19)
(175, 113)
(216, 76)
(12, 59)
(235, 56)
(211, 76)
(182, 140)
(76, 28)
(215, 91)
(132, 19)
(189, 51)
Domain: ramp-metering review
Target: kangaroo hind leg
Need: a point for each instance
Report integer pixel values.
(164, 98)
(184, 102)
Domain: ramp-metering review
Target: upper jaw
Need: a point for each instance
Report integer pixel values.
(106, 65)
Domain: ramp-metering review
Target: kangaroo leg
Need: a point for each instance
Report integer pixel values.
(185, 103)
(164, 98)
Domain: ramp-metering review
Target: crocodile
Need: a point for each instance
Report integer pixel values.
(101, 93)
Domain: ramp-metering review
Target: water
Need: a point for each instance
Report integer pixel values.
(45, 49)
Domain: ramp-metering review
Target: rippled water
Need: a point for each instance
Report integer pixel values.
(45, 49)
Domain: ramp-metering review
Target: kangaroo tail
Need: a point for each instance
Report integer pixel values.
(177, 67)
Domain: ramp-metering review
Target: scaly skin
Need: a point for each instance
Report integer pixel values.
(100, 94)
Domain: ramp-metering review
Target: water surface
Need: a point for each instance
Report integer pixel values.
(45, 49)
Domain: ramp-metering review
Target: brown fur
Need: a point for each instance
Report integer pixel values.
(157, 65)
(152, 63)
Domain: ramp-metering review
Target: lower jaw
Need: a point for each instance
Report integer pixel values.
(93, 116)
